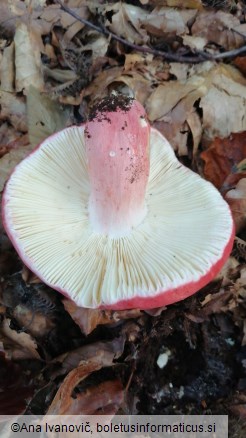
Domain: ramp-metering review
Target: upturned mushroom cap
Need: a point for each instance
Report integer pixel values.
(107, 215)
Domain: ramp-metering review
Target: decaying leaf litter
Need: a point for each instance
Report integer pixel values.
(181, 63)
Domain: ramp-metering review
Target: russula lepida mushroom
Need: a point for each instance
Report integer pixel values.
(107, 215)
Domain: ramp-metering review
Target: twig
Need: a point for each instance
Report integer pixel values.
(200, 56)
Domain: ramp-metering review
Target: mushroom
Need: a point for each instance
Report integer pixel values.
(105, 214)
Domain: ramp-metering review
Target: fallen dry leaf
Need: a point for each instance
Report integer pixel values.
(98, 87)
(7, 69)
(166, 96)
(89, 319)
(27, 47)
(9, 138)
(36, 324)
(194, 42)
(44, 116)
(126, 21)
(236, 198)
(222, 156)
(216, 303)
(64, 403)
(105, 352)
(171, 107)
(240, 63)
(218, 27)
(102, 399)
(147, 66)
(223, 104)
(10, 12)
(13, 109)
(18, 345)
(168, 21)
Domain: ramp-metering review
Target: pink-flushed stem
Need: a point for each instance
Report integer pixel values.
(117, 147)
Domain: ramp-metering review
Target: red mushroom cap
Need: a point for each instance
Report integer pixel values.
(114, 227)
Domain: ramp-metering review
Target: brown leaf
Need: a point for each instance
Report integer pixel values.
(37, 324)
(126, 21)
(221, 157)
(105, 353)
(217, 27)
(13, 108)
(166, 96)
(223, 104)
(18, 345)
(98, 88)
(102, 399)
(64, 403)
(240, 63)
(172, 104)
(89, 319)
(168, 21)
(236, 198)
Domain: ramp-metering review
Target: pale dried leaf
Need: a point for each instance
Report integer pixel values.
(18, 345)
(166, 96)
(98, 44)
(35, 3)
(27, 59)
(13, 109)
(7, 69)
(126, 22)
(73, 25)
(44, 116)
(166, 21)
(60, 75)
(70, 100)
(180, 70)
(10, 11)
(184, 71)
(223, 113)
(194, 42)
(189, 4)
(36, 324)
(217, 27)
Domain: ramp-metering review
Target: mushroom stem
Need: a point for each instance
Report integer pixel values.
(117, 147)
